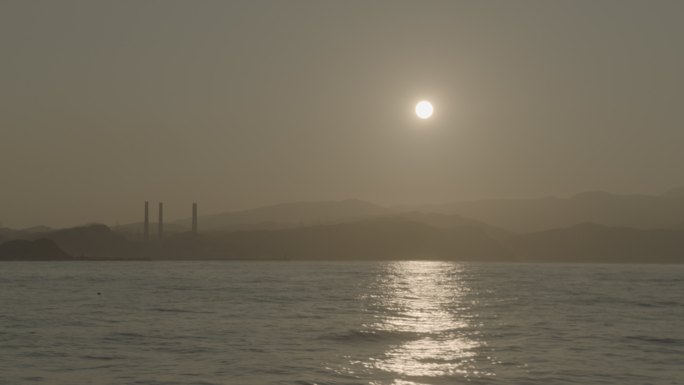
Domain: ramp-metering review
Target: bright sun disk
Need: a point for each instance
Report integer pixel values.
(424, 109)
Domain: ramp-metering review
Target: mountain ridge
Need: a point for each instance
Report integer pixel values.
(531, 215)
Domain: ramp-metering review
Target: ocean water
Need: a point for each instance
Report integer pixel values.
(400, 323)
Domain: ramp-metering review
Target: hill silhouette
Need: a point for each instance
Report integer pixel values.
(397, 237)
(377, 238)
(391, 237)
(530, 215)
(94, 241)
(453, 221)
(279, 216)
(290, 214)
(353, 229)
(37, 250)
(9, 234)
(590, 242)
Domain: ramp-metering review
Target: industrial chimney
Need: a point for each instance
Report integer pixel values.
(161, 220)
(194, 218)
(146, 225)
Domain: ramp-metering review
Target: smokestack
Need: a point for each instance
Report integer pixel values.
(194, 218)
(146, 226)
(161, 220)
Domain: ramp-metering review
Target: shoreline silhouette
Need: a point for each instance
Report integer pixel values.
(357, 230)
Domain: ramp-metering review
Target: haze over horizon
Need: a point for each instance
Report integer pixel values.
(245, 104)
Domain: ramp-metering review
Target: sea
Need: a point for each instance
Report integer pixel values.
(389, 323)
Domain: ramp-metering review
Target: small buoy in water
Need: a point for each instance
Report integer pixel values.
(98, 293)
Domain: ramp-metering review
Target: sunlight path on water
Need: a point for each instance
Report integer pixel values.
(427, 302)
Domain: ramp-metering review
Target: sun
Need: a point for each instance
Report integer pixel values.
(424, 109)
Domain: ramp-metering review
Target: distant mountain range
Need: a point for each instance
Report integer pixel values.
(278, 216)
(590, 242)
(290, 214)
(527, 215)
(392, 237)
(7, 233)
(589, 227)
(664, 211)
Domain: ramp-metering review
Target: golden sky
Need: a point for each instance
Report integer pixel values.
(239, 104)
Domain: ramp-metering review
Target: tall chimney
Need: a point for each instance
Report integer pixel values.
(161, 220)
(194, 218)
(146, 226)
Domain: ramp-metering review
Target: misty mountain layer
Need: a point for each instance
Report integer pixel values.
(354, 229)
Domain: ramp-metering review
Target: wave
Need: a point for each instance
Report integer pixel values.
(656, 340)
(167, 310)
(370, 336)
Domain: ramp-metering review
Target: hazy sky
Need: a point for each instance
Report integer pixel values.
(239, 104)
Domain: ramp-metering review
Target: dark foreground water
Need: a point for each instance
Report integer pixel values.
(399, 323)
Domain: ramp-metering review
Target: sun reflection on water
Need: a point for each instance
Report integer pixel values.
(426, 305)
